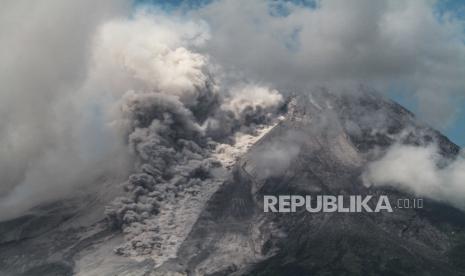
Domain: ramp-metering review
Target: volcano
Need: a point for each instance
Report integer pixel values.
(321, 145)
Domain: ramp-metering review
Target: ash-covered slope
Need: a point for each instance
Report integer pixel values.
(321, 148)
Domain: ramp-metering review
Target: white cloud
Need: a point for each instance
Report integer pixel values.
(415, 169)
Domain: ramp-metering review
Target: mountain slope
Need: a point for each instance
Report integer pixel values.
(320, 147)
(327, 140)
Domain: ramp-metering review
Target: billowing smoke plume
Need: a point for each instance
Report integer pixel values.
(421, 170)
(141, 90)
(243, 108)
(250, 98)
(175, 116)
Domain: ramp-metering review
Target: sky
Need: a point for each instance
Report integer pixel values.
(455, 131)
(453, 127)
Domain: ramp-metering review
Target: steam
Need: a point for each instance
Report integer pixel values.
(421, 170)
(274, 159)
